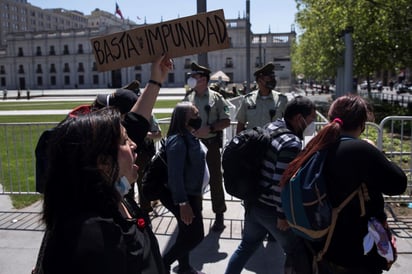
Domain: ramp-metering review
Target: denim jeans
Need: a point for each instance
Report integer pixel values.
(259, 221)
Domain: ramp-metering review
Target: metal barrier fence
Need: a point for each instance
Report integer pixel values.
(403, 100)
(18, 141)
(17, 160)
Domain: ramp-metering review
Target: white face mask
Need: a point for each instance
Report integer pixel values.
(191, 82)
(310, 129)
(123, 186)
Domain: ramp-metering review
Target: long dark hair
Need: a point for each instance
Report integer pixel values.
(346, 113)
(83, 166)
(179, 116)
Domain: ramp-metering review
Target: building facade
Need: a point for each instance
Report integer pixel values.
(61, 57)
(20, 16)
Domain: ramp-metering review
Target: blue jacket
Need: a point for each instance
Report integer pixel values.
(186, 166)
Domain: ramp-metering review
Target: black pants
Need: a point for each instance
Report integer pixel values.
(188, 237)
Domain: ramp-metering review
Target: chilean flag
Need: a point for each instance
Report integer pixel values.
(118, 11)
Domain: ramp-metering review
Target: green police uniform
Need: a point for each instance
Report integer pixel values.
(212, 107)
(258, 110)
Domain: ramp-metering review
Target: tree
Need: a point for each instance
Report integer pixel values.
(382, 36)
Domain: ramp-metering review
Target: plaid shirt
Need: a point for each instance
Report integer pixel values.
(284, 149)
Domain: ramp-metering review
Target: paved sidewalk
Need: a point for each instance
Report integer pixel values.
(21, 234)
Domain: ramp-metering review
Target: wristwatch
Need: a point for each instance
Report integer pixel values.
(183, 204)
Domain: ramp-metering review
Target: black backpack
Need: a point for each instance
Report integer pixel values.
(154, 181)
(242, 159)
(155, 175)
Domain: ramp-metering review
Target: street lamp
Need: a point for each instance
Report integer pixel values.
(202, 57)
(248, 44)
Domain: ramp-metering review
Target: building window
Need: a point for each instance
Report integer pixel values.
(39, 69)
(81, 79)
(229, 62)
(53, 80)
(3, 81)
(67, 80)
(66, 50)
(258, 63)
(94, 66)
(38, 51)
(52, 51)
(95, 79)
(21, 69)
(171, 78)
(138, 77)
(20, 52)
(40, 81)
(22, 84)
(52, 68)
(259, 39)
(80, 49)
(80, 68)
(188, 62)
(66, 67)
(138, 67)
(2, 70)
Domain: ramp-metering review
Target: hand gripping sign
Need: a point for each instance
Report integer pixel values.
(184, 36)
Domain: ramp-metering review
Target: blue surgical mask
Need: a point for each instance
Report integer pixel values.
(123, 186)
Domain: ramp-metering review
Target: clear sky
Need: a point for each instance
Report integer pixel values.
(278, 14)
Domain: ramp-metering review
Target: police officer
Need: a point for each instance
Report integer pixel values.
(214, 112)
(263, 105)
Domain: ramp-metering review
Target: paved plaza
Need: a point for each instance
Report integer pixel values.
(21, 233)
(21, 230)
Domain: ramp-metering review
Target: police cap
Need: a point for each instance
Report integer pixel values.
(197, 69)
(266, 70)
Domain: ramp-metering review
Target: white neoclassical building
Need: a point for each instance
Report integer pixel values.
(60, 56)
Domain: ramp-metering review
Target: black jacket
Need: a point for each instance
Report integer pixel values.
(104, 242)
(351, 163)
(109, 244)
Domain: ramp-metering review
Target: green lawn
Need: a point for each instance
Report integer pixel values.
(33, 105)
(17, 144)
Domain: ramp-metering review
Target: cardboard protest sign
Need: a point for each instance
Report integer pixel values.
(184, 36)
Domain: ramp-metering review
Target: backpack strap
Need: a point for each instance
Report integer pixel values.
(363, 196)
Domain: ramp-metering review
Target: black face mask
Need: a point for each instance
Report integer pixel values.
(270, 84)
(195, 123)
